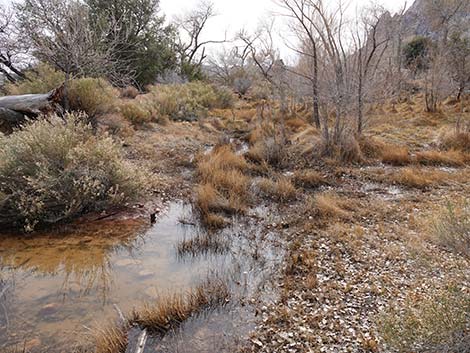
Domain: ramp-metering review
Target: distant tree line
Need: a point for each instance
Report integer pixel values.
(126, 41)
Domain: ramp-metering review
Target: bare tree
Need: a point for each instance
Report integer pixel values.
(458, 61)
(233, 68)
(266, 58)
(192, 46)
(62, 35)
(13, 49)
(370, 43)
(302, 13)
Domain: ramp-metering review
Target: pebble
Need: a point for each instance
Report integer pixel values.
(49, 309)
(127, 262)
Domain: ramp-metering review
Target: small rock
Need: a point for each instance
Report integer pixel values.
(49, 309)
(127, 262)
(146, 273)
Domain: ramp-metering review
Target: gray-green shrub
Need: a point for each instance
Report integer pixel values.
(437, 323)
(55, 169)
(189, 99)
(452, 228)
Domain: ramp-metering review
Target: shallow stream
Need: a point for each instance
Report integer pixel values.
(55, 288)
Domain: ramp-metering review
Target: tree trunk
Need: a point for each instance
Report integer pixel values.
(316, 113)
(15, 109)
(360, 105)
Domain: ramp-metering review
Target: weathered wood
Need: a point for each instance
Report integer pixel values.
(142, 340)
(15, 109)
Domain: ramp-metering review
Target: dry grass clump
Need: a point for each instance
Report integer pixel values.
(115, 124)
(261, 131)
(135, 113)
(111, 339)
(129, 92)
(270, 151)
(224, 185)
(168, 313)
(222, 158)
(439, 323)
(308, 178)
(281, 190)
(55, 169)
(202, 244)
(417, 178)
(330, 205)
(396, 155)
(296, 123)
(208, 199)
(371, 147)
(345, 150)
(455, 140)
(451, 228)
(450, 158)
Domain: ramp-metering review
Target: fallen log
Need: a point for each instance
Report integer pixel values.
(15, 109)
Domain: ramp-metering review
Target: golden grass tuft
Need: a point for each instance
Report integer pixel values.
(224, 185)
(296, 124)
(396, 155)
(371, 147)
(208, 199)
(455, 140)
(451, 158)
(268, 150)
(330, 205)
(111, 339)
(308, 178)
(281, 190)
(222, 158)
(417, 178)
(168, 313)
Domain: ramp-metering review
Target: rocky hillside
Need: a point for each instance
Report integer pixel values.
(423, 18)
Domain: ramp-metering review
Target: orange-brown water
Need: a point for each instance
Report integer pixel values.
(54, 288)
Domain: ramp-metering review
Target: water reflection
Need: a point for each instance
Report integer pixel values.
(53, 286)
(81, 256)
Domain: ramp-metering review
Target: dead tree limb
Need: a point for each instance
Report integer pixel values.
(15, 109)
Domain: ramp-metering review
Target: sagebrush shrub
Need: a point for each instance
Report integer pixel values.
(94, 96)
(451, 228)
(55, 169)
(41, 79)
(190, 99)
(435, 323)
(135, 113)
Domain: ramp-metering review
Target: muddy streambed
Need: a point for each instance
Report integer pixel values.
(55, 288)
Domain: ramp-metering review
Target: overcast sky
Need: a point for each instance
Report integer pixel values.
(247, 14)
